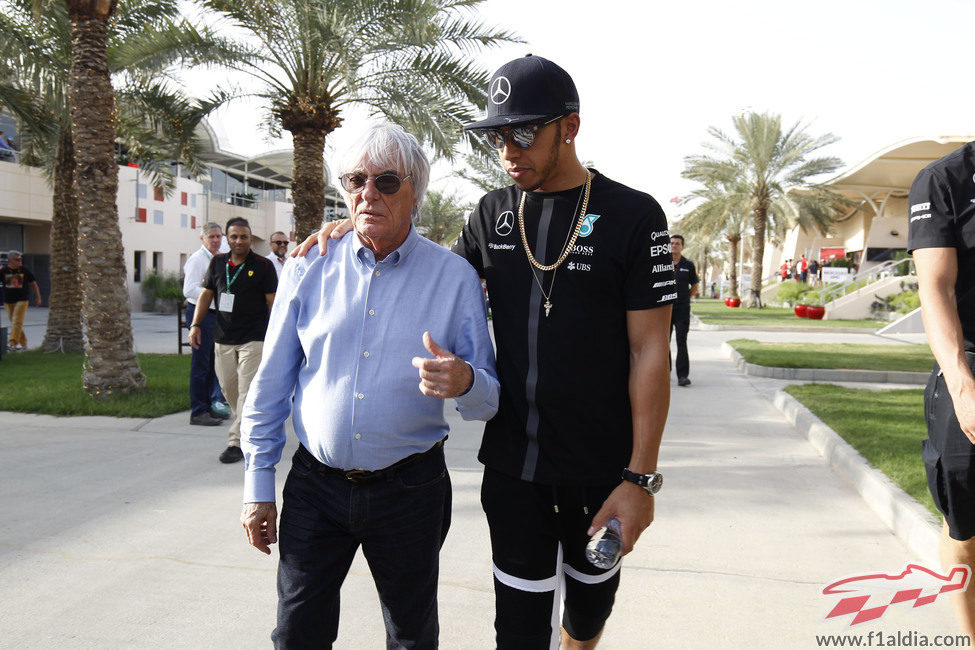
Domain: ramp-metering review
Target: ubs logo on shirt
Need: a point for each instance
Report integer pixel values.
(505, 223)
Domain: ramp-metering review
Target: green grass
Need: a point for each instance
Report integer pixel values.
(885, 426)
(51, 383)
(714, 312)
(912, 358)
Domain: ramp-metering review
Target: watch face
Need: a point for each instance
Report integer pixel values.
(655, 482)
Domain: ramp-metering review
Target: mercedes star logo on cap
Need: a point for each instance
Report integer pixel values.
(500, 90)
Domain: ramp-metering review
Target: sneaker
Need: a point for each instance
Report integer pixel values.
(231, 455)
(205, 420)
(220, 408)
(214, 413)
(683, 381)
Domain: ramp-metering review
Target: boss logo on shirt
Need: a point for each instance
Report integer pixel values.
(669, 296)
(505, 223)
(583, 250)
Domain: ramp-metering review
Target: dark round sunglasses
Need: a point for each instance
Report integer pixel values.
(387, 183)
(523, 135)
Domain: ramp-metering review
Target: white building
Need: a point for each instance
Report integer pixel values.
(159, 231)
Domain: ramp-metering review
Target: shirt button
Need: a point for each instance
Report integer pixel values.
(378, 273)
(372, 312)
(358, 435)
(360, 395)
(366, 354)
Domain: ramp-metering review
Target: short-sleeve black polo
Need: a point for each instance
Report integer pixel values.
(686, 276)
(257, 277)
(564, 415)
(942, 215)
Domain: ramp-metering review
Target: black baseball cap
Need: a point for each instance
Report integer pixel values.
(526, 90)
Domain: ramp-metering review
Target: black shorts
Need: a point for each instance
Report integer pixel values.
(540, 563)
(949, 458)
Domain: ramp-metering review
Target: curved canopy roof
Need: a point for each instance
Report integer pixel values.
(893, 169)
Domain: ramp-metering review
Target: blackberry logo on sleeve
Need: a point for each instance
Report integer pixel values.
(505, 223)
(587, 225)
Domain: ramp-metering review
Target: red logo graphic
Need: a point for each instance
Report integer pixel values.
(915, 584)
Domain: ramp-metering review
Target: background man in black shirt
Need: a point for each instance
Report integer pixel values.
(942, 208)
(17, 281)
(244, 284)
(685, 276)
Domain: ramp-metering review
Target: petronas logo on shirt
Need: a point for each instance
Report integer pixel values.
(587, 225)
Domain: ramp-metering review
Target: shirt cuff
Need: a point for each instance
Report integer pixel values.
(477, 393)
(259, 485)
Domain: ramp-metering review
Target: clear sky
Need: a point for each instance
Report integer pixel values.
(653, 76)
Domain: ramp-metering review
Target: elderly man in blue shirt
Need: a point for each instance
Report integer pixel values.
(370, 339)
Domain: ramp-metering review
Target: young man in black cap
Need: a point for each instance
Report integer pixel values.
(680, 321)
(581, 281)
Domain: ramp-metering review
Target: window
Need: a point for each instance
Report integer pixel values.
(140, 215)
(184, 220)
(193, 200)
(193, 223)
(157, 194)
(182, 198)
(157, 262)
(141, 191)
(137, 265)
(157, 217)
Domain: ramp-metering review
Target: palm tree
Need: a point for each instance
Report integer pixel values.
(485, 171)
(156, 123)
(408, 60)
(768, 173)
(716, 215)
(442, 217)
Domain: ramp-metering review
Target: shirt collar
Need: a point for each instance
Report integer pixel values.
(366, 256)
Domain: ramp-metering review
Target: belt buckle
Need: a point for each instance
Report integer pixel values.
(357, 475)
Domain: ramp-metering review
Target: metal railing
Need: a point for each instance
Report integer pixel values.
(837, 290)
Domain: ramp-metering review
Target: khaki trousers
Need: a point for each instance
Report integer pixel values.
(16, 312)
(236, 366)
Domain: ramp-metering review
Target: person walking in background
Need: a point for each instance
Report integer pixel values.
(243, 284)
(943, 246)
(207, 404)
(686, 278)
(18, 281)
(803, 267)
(279, 251)
(350, 336)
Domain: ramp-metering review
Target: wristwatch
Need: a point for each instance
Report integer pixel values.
(650, 482)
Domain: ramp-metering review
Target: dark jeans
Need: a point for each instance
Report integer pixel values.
(400, 522)
(680, 320)
(204, 387)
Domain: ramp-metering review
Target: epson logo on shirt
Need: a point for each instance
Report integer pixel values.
(665, 283)
(660, 268)
(501, 247)
(917, 207)
(659, 234)
(918, 217)
(669, 296)
(659, 249)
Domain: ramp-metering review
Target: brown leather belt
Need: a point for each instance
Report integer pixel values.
(361, 475)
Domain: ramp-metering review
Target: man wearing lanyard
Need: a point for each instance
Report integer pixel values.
(244, 284)
(207, 407)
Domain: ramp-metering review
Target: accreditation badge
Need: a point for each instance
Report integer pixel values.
(226, 302)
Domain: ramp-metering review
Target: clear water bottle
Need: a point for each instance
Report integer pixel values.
(604, 548)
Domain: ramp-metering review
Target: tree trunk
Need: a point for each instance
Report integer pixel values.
(759, 222)
(110, 363)
(308, 180)
(733, 254)
(64, 319)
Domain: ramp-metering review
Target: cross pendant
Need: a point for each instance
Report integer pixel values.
(548, 307)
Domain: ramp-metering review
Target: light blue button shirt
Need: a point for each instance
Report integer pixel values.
(342, 336)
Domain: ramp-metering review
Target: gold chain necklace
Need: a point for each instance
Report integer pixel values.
(568, 247)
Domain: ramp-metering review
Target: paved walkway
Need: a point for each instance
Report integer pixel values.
(124, 533)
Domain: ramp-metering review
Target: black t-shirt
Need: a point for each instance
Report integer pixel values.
(249, 283)
(942, 215)
(16, 284)
(686, 276)
(564, 415)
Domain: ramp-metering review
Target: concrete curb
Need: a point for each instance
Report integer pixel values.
(904, 516)
(825, 374)
(773, 328)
